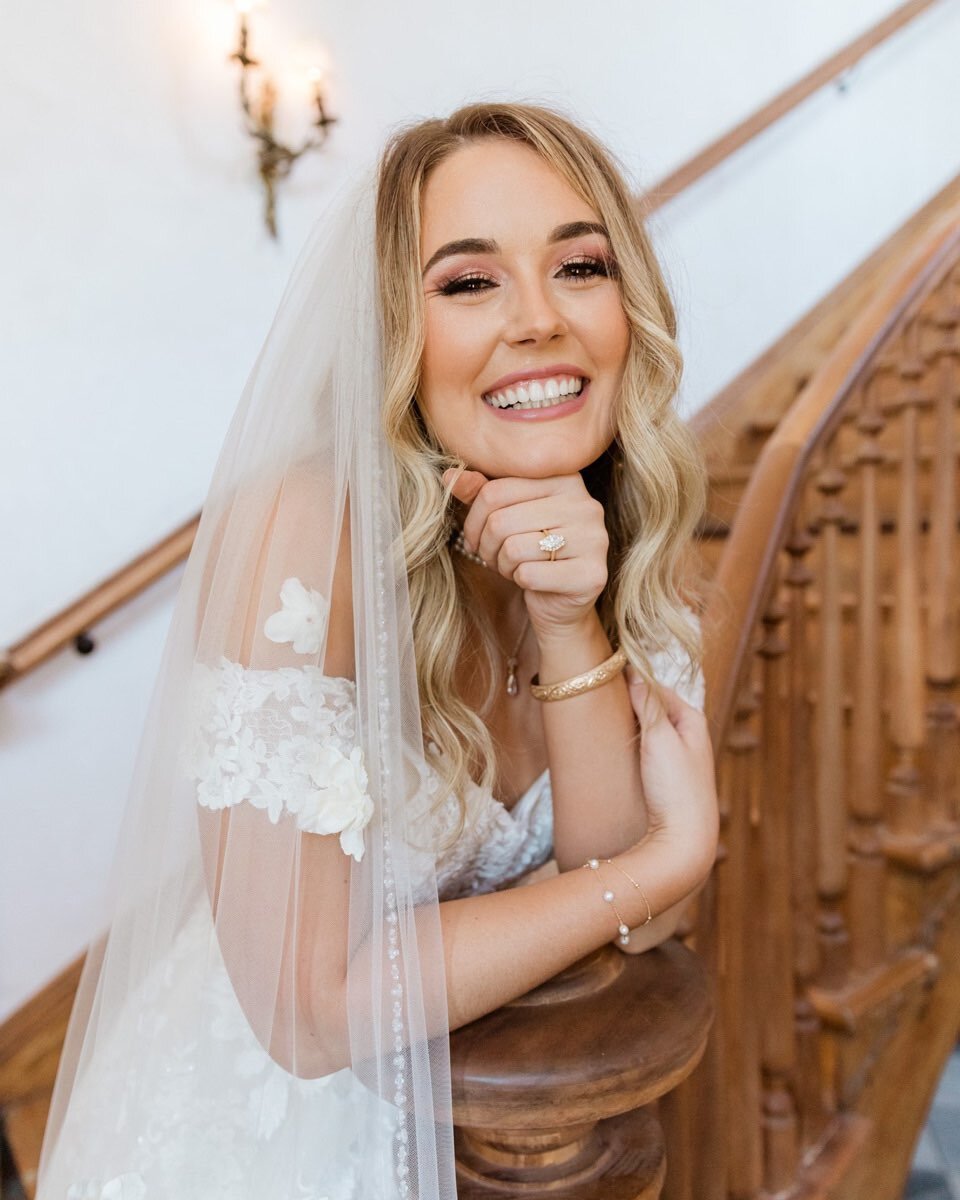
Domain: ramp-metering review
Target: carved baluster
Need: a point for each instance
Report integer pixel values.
(775, 981)
(907, 699)
(830, 773)
(738, 949)
(941, 664)
(803, 836)
(555, 1093)
(867, 862)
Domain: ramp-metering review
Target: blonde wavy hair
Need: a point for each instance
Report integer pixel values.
(652, 480)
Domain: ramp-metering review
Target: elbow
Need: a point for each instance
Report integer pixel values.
(312, 1041)
(307, 1040)
(307, 1053)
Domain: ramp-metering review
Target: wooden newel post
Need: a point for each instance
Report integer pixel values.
(554, 1095)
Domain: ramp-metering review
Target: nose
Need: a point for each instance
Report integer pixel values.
(533, 315)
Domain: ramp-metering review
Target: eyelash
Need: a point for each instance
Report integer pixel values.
(456, 286)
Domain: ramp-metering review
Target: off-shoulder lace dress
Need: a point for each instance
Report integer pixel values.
(150, 1152)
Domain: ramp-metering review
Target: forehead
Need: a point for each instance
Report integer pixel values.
(496, 189)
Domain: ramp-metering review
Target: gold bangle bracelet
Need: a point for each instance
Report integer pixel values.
(578, 684)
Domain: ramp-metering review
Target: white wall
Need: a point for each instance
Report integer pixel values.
(138, 283)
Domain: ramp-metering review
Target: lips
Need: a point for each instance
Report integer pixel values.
(566, 407)
(536, 393)
(555, 369)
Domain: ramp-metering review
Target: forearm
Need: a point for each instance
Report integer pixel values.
(496, 947)
(591, 747)
(499, 946)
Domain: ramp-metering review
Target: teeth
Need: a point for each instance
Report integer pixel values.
(537, 393)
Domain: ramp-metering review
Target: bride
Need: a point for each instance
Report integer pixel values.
(454, 504)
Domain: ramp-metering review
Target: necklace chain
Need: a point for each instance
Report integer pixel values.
(513, 659)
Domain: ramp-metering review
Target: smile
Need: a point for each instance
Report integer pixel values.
(536, 393)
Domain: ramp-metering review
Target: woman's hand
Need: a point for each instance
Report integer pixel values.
(679, 777)
(505, 523)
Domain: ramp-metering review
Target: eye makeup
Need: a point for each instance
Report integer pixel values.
(579, 267)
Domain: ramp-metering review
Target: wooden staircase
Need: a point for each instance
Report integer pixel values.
(829, 932)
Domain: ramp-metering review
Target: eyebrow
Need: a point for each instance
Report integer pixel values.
(562, 233)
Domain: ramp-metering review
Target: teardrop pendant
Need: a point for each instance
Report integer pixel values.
(512, 687)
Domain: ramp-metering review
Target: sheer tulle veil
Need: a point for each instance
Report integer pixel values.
(273, 923)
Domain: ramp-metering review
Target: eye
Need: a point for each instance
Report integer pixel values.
(471, 283)
(585, 266)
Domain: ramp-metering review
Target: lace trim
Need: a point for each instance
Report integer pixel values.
(285, 741)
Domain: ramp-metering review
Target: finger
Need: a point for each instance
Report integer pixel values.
(646, 704)
(497, 494)
(578, 519)
(673, 704)
(661, 702)
(582, 578)
(519, 548)
(464, 483)
(524, 524)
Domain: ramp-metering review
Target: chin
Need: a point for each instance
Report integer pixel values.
(528, 463)
(532, 466)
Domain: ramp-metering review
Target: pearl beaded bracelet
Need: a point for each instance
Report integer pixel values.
(593, 864)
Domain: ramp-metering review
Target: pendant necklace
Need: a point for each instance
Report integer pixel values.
(513, 659)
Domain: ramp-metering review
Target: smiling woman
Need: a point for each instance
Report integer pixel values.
(453, 505)
(537, 300)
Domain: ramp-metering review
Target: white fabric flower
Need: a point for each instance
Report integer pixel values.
(302, 620)
(340, 803)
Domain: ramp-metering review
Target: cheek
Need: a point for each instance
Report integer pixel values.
(446, 349)
(614, 335)
(456, 350)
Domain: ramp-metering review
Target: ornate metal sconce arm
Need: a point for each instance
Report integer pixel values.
(274, 159)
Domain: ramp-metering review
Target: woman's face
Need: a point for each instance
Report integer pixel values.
(526, 338)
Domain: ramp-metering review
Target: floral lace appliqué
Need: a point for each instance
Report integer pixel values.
(283, 740)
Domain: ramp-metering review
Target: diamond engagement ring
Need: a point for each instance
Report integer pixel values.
(550, 543)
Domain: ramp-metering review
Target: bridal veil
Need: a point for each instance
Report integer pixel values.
(273, 964)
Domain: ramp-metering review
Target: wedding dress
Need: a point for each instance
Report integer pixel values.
(188, 1134)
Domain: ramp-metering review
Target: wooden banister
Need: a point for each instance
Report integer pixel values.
(836, 911)
(745, 574)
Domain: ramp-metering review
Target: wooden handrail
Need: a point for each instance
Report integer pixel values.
(744, 571)
(735, 139)
(133, 578)
(123, 585)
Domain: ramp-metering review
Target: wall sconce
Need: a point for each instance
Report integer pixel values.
(274, 159)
